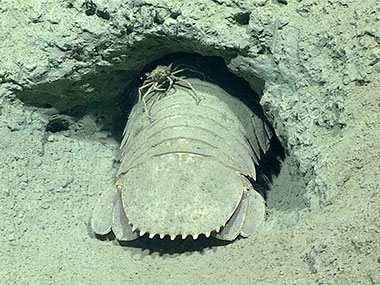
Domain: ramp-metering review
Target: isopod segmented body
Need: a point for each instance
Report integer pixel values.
(185, 172)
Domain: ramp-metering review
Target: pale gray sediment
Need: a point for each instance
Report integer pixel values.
(315, 66)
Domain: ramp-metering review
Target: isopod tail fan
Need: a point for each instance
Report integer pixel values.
(101, 219)
(109, 214)
(120, 223)
(248, 216)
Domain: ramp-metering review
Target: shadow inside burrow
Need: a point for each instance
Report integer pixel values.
(166, 246)
(213, 69)
(280, 187)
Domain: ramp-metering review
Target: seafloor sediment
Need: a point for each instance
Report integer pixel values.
(65, 70)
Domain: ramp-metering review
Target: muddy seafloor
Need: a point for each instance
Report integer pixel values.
(64, 68)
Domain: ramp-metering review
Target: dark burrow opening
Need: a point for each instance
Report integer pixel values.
(215, 71)
(58, 124)
(111, 116)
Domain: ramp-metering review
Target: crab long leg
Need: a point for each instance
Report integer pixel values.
(194, 94)
(153, 87)
(148, 111)
(189, 69)
(146, 84)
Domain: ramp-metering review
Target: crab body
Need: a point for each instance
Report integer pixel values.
(186, 172)
(160, 73)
